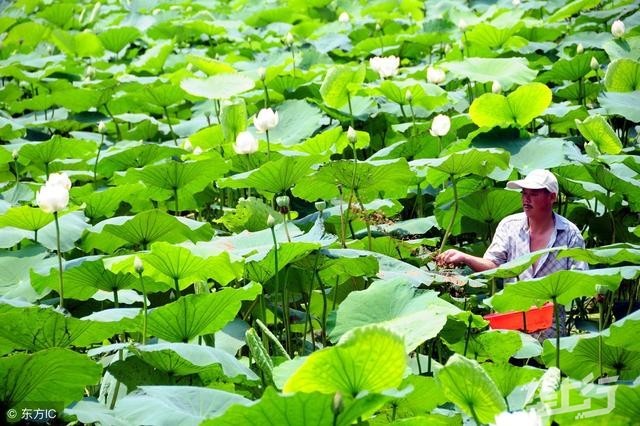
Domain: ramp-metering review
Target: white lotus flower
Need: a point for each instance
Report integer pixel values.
(52, 198)
(579, 48)
(138, 265)
(288, 39)
(594, 64)
(102, 127)
(496, 87)
(462, 24)
(187, 146)
(245, 143)
(440, 125)
(435, 75)
(262, 73)
(516, 3)
(59, 179)
(550, 381)
(343, 18)
(617, 28)
(518, 418)
(385, 66)
(266, 119)
(352, 136)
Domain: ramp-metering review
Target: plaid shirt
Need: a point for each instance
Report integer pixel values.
(511, 240)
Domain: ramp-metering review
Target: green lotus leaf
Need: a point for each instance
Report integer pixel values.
(162, 95)
(36, 377)
(210, 66)
(250, 215)
(394, 305)
(185, 405)
(104, 203)
(42, 154)
(15, 267)
(197, 314)
(480, 162)
(516, 266)
(298, 121)
(274, 177)
(580, 356)
(508, 71)
(339, 82)
(490, 206)
(117, 38)
(176, 263)
(183, 359)
(622, 332)
(290, 410)
(568, 69)
(466, 384)
(220, 86)
(610, 255)
(26, 35)
(623, 75)
(233, 118)
(373, 179)
(622, 104)
(72, 226)
(37, 328)
(424, 397)
(572, 8)
(353, 366)
(127, 155)
(517, 108)
(261, 267)
(60, 15)
(626, 404)
(509, 378)
(83, 44)
(26, 217)
(333, 270)
(495, 345)
(596, 129)
(153, 59)
(562, 285)
(490, 37)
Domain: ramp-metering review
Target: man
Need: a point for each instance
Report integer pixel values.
(536, 228)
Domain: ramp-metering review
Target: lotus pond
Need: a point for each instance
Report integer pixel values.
(244, 201)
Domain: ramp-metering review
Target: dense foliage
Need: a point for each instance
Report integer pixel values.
(227, 211)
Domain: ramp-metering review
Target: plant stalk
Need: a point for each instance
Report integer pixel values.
(453, 216)
(60, 279)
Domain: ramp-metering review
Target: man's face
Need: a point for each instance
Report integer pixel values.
(537, 202)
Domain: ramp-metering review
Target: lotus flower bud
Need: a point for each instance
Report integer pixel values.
(102, 128)
(271, 221)
(262, 73)
(90, 72)
(378, 27)
(385, 66)
(245, 143)
(496, 87)
(550, 381)
(516, 3)
(594, 63)
(440, 125)
(579, 48)
(617, 28)
(197, 150)
(337, 404)
(408, 95)
(266, 119)
(288, 39)
(15, 154)
(283, 201)
(462, 24)
(435, 75)
(187, 145)
(343, 18)
(320, 205)
(352, 136)
(138, 265)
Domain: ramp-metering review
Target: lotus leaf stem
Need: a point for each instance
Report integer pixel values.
(95, 166)
(166, 114)
(453, 216)
(276, 277)
(266, 132)
(144, 310)
(468, 336)
(556, 314)
(60, 271)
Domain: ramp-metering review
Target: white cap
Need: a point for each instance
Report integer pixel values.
(536, 179)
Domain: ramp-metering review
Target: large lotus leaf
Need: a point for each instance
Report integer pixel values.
(79, 44)
(310, 409)
(490, 206)
(572, 8)
(37, 328)
(626, 405)
(177, 263)
(331, 270)
(26, 217)
(353, 366)
(273, 177)
(250, 215)
(115, 39)
(162, 94)
(41, 376)
(495, 345)
(580, 356)
(613, 182)
(623, 75)
(424, 397)
(469, 161)
(261, 266)
(184, 359)
(488, 36)
(372, 180)
(610, 255)
(56, 148)
(516, 266)
(622, 104)
(517, 108)
(622, 332)
(26, 35)
(562, 285)
(508, 71)
(104, 203)
(161, 405)
(568, 69)
(339, 81)
(127, 155)
(397, 306)
(153, 225)
(196, 314)
(72, 226)
(297, 121)
(210, 66)
(466, 384)
(509, 377)
(15, 267)
(190, 177)
(597, 130)
(220, 86)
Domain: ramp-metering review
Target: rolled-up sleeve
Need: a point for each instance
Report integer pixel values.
(498, 251)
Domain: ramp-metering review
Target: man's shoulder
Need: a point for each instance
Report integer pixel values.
(517, 219)
(565, 224)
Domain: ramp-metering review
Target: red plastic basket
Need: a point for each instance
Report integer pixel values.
(528, 321)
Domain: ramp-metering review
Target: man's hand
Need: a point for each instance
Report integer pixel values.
(451, 257)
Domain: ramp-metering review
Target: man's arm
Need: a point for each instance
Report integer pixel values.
(457, 257)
